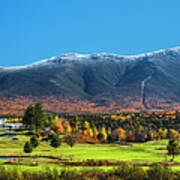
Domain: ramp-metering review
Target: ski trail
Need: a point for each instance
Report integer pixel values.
(143, 83)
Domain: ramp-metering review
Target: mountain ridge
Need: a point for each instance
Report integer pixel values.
(108, 82)
(77, 56)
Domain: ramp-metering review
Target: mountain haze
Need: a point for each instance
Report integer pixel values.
(94, 83)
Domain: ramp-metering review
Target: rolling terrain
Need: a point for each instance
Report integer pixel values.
(94, 83)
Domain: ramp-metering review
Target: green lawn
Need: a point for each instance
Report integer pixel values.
(138, 152)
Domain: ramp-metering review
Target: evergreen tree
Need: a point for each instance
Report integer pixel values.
(75, 124)
(173, 148)
(55, 142)
(35, 117)
(40, 118)
(51, 135)
(70, 140)
(28, 148)
(109, 139)
(34, 141)
(28, 118)
(101, 136)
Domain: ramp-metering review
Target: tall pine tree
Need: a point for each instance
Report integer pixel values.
(35, 117)
(28, 118)
(40, 117)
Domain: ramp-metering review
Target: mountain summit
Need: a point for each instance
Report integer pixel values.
(95, 83)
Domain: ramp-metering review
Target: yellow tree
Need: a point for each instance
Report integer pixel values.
(67, 127)
(103, 131)
(56, 125)
(86, 127)
(162, 133)
(54, 121)
(151, 135)
(174, 134)
(109, 131)
(90, 132)
(59, 128)
(95, 132)
(121, 133)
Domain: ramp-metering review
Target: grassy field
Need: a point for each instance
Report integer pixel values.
(136, 152)
(141, 152)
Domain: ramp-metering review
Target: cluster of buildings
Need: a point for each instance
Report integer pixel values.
(3, 123)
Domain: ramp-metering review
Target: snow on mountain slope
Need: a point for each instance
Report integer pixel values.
(67, 58)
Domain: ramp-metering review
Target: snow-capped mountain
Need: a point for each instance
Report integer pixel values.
(145, 81)
(66, 58)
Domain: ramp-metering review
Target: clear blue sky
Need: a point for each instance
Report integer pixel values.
(31, 30)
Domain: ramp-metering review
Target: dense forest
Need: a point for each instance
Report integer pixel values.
(125, 126)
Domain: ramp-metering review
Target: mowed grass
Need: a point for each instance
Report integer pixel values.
(140, 152)
(137, 152)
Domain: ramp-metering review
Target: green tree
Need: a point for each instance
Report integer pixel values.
(100, 136)
(70, 140)
(173, 148)
(51, 135)
(75, 124)
(28, 118)
(28, 148)
(55, 141)
(35, 117)
(34, 141)
(109, 138)
(40, 117)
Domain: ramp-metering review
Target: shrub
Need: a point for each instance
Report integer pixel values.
(28, 148)
(34, 141)
(15, 138)
(29, 133)
(38, 134)
(68, 175)
(45, 139)
(70, 140)
(51, 135)
(18, 174)
(128, 172)
(158, 172)
(86, 139)
(123, 172)
(55, 141)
